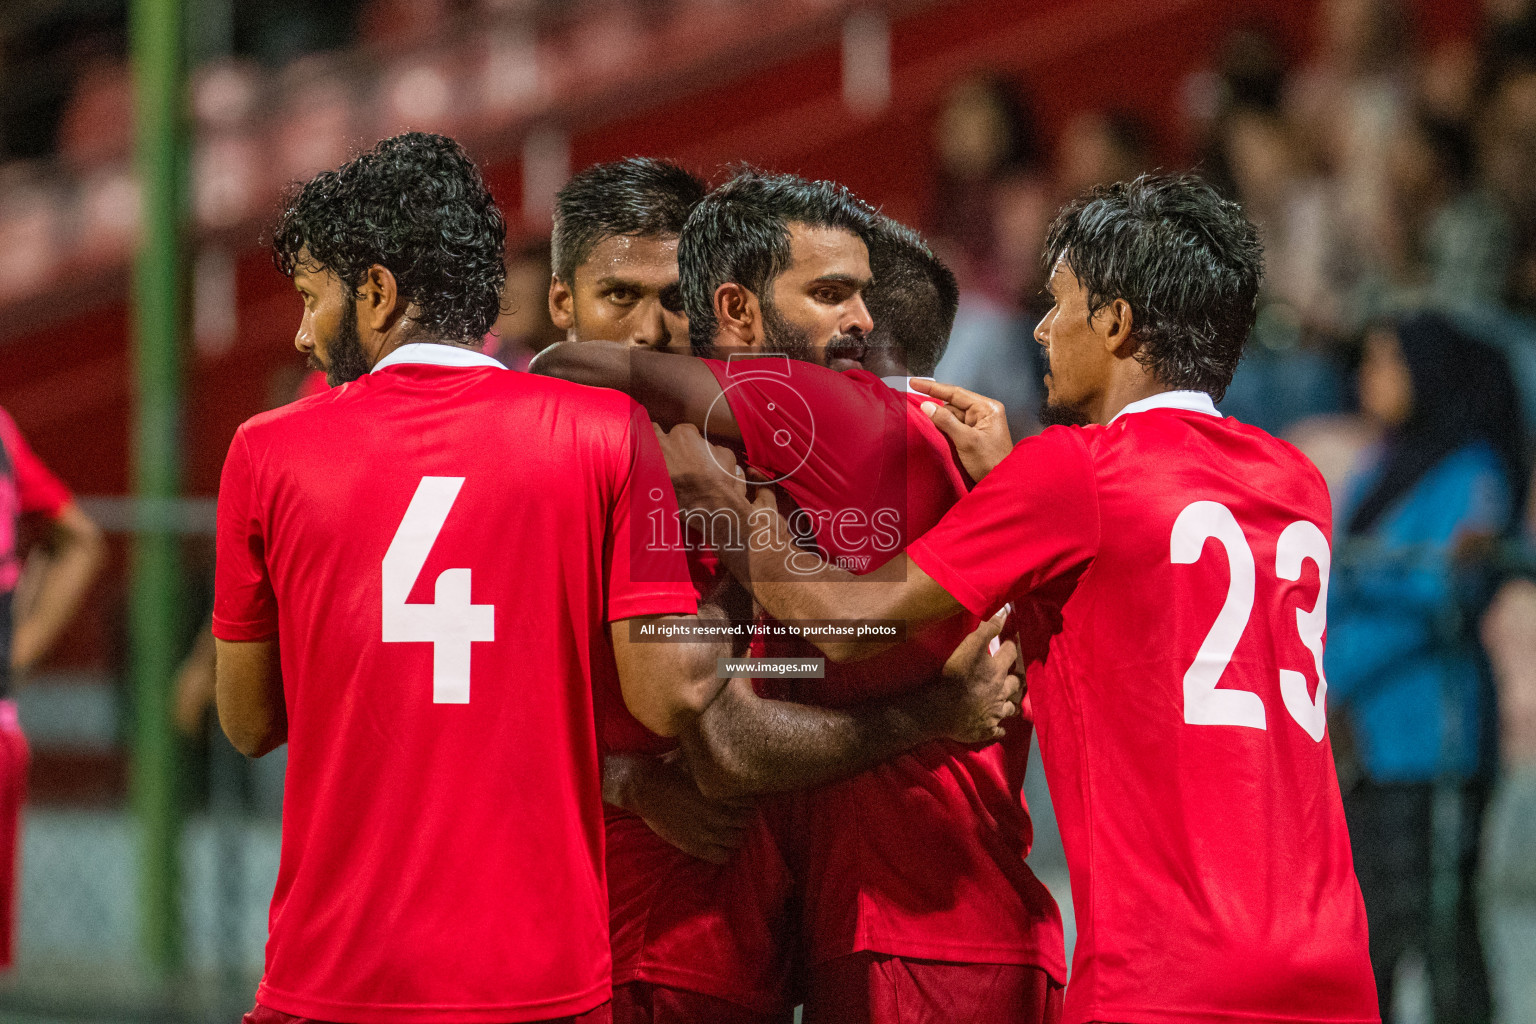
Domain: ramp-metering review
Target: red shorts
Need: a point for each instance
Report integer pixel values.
(640, 1002)
(872, 988)
(13, 793)
(266, 1015)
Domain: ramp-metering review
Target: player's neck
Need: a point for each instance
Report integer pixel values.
(393, 342)
(882, 362)
(1123, 391)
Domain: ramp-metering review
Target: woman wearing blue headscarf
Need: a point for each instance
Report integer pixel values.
(1404, 667)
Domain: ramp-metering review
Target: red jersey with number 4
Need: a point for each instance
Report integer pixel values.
(438, 548)
(922, 856)
(1170, 572)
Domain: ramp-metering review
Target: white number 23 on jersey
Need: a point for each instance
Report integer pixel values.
(450, 623)
(1204, 704)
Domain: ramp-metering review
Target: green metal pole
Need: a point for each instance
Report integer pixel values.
(158, 43)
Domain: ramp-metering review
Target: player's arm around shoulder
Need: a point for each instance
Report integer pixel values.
(248, 689)
(673, 388)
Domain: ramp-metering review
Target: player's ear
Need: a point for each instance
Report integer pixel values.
(379, 304)
(739, 315)
(562, 305)
(1115, 321)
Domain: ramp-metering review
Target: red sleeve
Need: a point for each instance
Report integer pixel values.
(37, 489)
(773, 397)
(1032, 521)
(244, 606)
(646, 565)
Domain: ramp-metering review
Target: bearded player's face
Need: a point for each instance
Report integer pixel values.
(1079, 360)
(328, 333)
(626, 291)
(817, 307)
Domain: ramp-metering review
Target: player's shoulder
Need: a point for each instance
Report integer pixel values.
(1055, 451)
(292, 415)
(1069, 440)
(798, 373)
(1277, 451)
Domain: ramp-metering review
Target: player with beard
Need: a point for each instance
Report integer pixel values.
(441, 817)
(442, 837)
(917, 898)
(614, 253)
(1177, 683)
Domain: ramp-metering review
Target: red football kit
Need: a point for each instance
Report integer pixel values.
(438, 548)
(922, 856)
(26, 485)
(716, 930)
(1169, 571)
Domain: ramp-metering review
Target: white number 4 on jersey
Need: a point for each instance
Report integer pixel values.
(450, 623)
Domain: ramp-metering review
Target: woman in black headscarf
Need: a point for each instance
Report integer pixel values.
(1403, 664)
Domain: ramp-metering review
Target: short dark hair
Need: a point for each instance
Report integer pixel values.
(416, 205)
(913, 298)
(740, 233)
(1186, 260)
(640, 196)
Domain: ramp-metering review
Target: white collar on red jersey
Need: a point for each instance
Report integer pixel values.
(903, 383)
(1189, 401)
(431, 353)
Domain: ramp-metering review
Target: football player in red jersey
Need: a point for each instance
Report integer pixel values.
(615, 279)
(441, 839)
(614, 251)
(917, 897)
(691, 941)
(29, 628)
(424, 576)
(1168, 568)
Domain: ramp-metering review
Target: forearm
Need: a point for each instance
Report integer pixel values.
(248, 690)
(66, 580)
(746, 745)
(794, 584)
(594, 364)
(672, 388)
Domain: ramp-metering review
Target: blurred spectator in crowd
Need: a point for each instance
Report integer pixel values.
(984, 136)
(1275, 172)
(524, 328)
(1508, 139)
(1449, 243)
(1509, 633)
(1099, 147)
(1407, 676)
(1352, 99)
(995, 199)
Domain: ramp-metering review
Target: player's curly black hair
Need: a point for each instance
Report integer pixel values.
(914, 295)
(1186, 260)
(740, 233)
(416, 205)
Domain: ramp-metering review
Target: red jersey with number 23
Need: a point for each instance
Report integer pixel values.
(438, 548)
(1170, 573)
